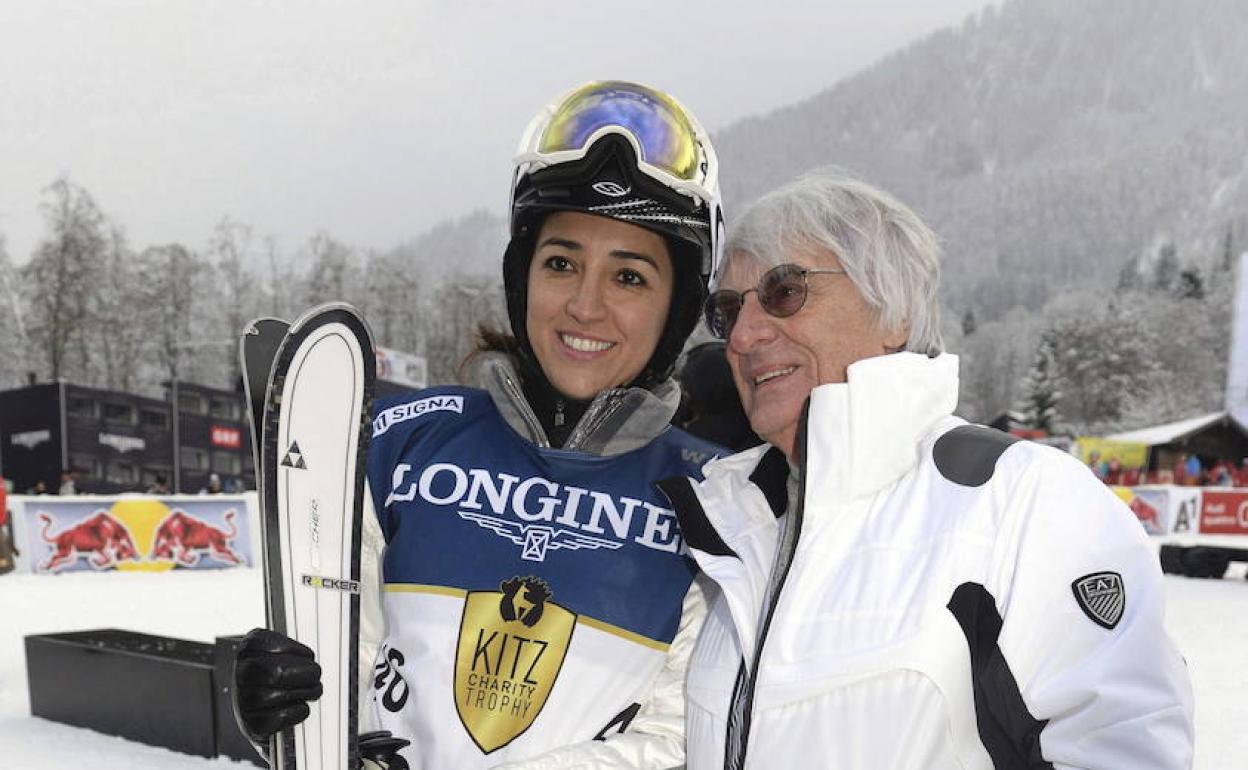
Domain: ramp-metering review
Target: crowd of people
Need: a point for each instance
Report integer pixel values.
(1187, 470)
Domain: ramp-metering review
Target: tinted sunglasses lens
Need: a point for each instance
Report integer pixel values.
(722, 309)
(782, 291)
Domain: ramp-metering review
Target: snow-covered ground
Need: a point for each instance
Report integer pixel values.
(1207, 618)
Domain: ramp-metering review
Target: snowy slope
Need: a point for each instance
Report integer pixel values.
(1208, 619)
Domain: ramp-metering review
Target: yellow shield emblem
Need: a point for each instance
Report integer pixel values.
(512, 643)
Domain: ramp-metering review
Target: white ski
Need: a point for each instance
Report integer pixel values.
(315, 433)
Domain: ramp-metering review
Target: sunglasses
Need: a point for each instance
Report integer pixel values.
(781, 292)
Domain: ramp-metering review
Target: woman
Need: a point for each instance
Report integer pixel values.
(536, 601)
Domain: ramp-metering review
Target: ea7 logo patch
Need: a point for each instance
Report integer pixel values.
(1102, 597)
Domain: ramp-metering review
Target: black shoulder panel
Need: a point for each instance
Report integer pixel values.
(694, 526)
(968, 455)
(771, 475)
(1006, 728)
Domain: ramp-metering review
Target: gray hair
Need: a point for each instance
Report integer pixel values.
(892, 257)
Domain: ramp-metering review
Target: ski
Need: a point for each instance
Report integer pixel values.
(315, 429)
(257, 349)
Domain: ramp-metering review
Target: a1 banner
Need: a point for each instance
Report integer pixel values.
(148, 534)
(1224, 513)
(1163, 509)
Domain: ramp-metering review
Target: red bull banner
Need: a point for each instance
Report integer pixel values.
(150, 534)
(1224, 513)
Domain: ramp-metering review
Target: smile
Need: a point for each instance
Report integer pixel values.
(764, 377)
(585, 345)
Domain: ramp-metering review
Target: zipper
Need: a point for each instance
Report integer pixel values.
(604, 405)
(526, 412)
(734, 755)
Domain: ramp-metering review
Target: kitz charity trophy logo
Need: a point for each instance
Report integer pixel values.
(512, 644)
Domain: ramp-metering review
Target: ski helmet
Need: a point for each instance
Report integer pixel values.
(632, 153)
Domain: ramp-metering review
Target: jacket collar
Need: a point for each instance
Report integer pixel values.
(865, 433)
(618, 420)
(861, 435)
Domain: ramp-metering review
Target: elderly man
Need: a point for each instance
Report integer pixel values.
(900, 589)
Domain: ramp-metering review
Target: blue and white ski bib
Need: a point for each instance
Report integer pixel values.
(530, 594)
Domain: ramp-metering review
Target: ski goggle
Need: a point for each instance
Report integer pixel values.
(781, 292)
(670, 145)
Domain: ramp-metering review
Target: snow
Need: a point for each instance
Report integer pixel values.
(1208, 620)
(1171, 431)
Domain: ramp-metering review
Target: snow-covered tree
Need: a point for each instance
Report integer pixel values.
(1190, 284)
(968, 322)
(62, 277)
(1041, 393)
(13, 342)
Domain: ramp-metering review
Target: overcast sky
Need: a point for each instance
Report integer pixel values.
(375, 119)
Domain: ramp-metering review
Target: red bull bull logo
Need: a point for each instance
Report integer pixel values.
(102, 539)
(183, 538)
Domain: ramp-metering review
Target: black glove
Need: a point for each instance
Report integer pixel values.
(380, 751)
(274, 677)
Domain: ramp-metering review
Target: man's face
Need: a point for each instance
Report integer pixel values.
(776, 362)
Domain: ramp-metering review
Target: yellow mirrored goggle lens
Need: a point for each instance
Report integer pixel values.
(663, 132)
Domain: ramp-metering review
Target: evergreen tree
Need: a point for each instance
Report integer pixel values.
(1190, 285)
(1129, 275)
(1040, 388)
(1166, 269)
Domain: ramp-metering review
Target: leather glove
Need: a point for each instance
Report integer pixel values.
(379, 751)
(274, 677)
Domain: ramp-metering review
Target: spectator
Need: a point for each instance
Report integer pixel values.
(1241, 476)
(1220, 474)
(1132, 476)
(1113, 476)
(69, 482)
(159, 486)
(40, 488)
(214, 486)
(1193, 469)
(1180, 471)
(1099, 469)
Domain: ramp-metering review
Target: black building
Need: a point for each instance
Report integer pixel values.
(119, 442)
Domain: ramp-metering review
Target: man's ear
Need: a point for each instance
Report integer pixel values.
(895, 340)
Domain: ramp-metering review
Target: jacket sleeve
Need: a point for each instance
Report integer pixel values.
(372, 615)
(1082, 626)
(655, 739)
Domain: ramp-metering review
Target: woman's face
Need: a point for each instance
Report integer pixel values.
(599, 293)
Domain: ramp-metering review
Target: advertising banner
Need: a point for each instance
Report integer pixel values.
(138, 533)
(1224, 513)
(1150, 505)
(402, 368)
(1184, 509)
(1101, 452)
(1164, 509)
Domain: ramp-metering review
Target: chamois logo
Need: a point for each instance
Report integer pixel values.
(524, 599)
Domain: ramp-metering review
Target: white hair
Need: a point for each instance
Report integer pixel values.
(892, 257)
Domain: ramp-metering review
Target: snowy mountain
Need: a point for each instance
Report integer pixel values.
(1047, 141)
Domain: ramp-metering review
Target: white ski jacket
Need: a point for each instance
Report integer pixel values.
(947, 597)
